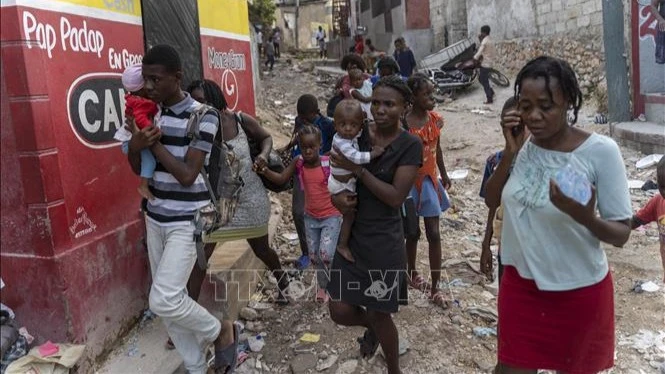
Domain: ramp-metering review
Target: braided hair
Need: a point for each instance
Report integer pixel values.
(417, 82)
(354, 59)
(396, 83)
(212, 93)
(551, 67)
(309, 130)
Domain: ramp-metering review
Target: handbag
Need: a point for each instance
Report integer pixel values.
(275, 162)
(410, 221)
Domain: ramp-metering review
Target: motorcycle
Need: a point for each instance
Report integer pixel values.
(454, 68)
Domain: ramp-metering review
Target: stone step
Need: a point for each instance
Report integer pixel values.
(654, 108)
(646, 137)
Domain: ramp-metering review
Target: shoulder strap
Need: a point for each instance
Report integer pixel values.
(325, 165)
(193, 132)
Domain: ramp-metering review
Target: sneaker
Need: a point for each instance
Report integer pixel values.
(303, 262)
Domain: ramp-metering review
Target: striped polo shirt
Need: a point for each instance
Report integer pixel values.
(175, 203)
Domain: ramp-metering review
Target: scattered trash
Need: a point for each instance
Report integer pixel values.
(278, 102)
(600, 119)
(310, 338)
(642, 118)
(488, 314)
(290, 117)
(292, 237)
(259, 305)
(148, 315)
(248, 314)
(635, 184)
(482, 332)
(479, 111)
(645, 340)
(641, 286)
(649, 185)
(648, 161)
(256, 343)
(458, 283)
(404, 346)
(458, 174)
(327, 363)
(48, 349)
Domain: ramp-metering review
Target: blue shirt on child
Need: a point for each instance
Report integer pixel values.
(327, 128)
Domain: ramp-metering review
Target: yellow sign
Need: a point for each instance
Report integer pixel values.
(132, 7)
(224, 15)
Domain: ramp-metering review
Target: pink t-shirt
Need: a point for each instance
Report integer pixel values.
(317, 196)
(654, 211)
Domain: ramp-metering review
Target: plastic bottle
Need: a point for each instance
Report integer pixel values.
(256, 343)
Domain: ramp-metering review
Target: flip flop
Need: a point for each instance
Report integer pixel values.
(369, 343)
(440, 300)
(419, 283)
(226, 359)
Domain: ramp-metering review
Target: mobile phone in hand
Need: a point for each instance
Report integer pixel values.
(517, 130)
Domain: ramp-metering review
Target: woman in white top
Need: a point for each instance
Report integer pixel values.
(556, 307)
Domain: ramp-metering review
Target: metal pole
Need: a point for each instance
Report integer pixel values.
(616, 68)
(297, 16)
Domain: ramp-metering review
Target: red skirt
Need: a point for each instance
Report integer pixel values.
(570, 331)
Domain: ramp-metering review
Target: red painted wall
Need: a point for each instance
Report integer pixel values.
(228, 62)
(417, 14)
(71, 255)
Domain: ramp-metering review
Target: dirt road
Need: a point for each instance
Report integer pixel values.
(443, 341)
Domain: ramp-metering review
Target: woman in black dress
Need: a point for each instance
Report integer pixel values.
(367, 291)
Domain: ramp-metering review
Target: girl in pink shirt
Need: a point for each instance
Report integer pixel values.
(322, 219)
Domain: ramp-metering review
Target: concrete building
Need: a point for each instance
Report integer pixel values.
(311, 15)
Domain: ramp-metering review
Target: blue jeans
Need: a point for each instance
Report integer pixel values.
(322, 235)
(148, 161)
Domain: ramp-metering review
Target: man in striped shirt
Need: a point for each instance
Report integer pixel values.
(179, 190)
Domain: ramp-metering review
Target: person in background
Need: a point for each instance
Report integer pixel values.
(495, 215)
(556, 298)
(343, 87)
(386, 67)
(370, 56)
(259, 42)
(270, 53)
(404, 57)
(658, 11)
(429, 191)
(307, 108)
(277, 41)
(484, 58)
(321, 41)
(361, 91)
(359, 46)
(654, 211)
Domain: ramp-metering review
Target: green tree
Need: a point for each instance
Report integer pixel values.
(262, 12)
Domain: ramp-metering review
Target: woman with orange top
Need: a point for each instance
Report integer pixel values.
(429, 192)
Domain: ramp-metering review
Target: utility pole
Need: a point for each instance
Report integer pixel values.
(297, 16)
(616, 68)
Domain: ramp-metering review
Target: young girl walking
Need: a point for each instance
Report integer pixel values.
(429, 191)
(322, 219)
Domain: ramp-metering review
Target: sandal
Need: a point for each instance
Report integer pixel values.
(169, 345)
(419, 283)
(440, 300)
(369, 343)
(226, 359)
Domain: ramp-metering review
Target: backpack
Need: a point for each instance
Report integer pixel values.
(222, 179)
(325, 166)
